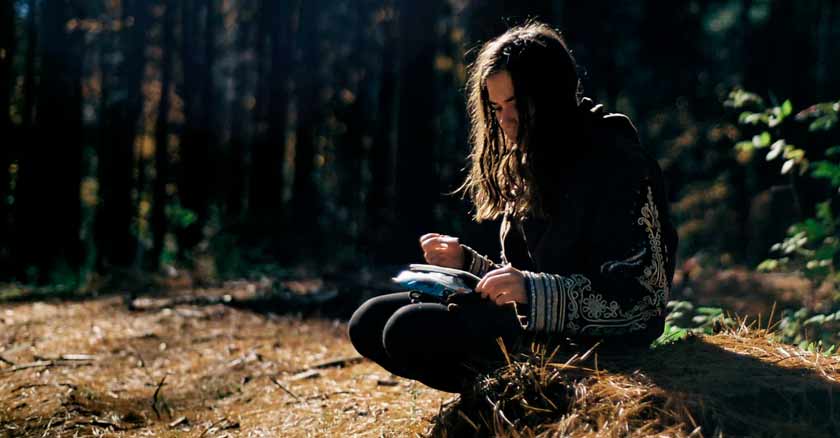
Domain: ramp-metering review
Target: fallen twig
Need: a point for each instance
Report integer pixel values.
(68, 358)
(308, 374)
(335, 363)
(40, 363)
(155, 397)
(101, 423)
(328, 395)
(181, 420)
(288, 391)
(46, 363)
(37, 385)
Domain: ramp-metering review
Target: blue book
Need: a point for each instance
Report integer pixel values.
(437, 281)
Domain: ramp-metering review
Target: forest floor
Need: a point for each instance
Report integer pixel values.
(95, 368)
(214, 362)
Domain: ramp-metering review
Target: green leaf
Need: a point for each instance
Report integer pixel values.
(814, 229)
(710, 311)
(793, 153)
(834, 150)
(816, 319)
(787, 166)
(775, 149)
(762, 140)
(824, 212)
(745, 117)
(699, 319)
(744, 146)
(823, 123)
(787, 108)
(825, 253)
(768, 265)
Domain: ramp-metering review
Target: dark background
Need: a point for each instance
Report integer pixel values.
(258, 135)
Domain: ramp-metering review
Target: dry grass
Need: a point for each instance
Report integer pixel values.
(94, 368)
(192, 371)
(737, 383)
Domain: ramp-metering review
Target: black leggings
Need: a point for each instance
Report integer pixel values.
(441, 347)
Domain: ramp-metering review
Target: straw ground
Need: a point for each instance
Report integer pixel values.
(94, 368)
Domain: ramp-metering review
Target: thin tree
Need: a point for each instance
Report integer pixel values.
(381, 200)
(353, 103)
(417, 179)
(162, 130)
(239, 154)
(305, 203)
(7, 53)
(194, 173)
(115, 239)
(274, 42)
(48, 206)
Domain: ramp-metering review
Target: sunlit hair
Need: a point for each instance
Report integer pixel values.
(547, 90)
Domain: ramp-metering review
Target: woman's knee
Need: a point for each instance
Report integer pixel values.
(368, 321)
(415, 330)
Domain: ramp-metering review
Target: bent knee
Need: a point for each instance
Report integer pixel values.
(368, 321)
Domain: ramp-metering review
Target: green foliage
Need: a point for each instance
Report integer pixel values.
(815, 332)
(756, 113)
(812, 245)
(685, 319)
(823, 116)
(179, 216)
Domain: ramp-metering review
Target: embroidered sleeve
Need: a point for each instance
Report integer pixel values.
(477, 263)
(628, 286)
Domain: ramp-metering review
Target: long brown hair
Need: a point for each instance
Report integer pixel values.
(547, 92)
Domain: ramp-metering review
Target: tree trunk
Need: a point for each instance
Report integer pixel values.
(162, 130)
(824, 48)
(417, 179)
(351, 152)
(194, 175)
(382, 198)
(304, 206)
(240, 162)
(115, 240)
(7, 52)
(49, 209)
(29, 73)
(267, 177)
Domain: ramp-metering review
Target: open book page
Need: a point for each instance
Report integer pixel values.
(437, 281)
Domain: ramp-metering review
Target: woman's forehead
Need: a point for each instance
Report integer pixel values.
(499, 86)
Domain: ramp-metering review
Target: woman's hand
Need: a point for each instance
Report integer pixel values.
(442, 250)
(503, 286)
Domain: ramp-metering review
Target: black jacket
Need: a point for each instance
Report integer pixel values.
(601, 264)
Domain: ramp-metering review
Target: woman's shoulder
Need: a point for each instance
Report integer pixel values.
(617, 152)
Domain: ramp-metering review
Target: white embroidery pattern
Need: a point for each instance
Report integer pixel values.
(592, 311)
(654, 279)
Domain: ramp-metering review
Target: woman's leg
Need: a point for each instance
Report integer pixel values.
(446, 349)
(367, 324)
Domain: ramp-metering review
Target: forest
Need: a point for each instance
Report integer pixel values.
(279, 160)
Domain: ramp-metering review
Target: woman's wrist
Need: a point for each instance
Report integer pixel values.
(467, 258)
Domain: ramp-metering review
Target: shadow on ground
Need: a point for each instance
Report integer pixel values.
(724, 384)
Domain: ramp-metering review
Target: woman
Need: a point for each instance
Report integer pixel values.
(587, 244)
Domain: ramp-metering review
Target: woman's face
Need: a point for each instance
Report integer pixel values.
(503, 103)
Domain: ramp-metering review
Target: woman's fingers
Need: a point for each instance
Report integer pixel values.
(502, 298)
(491, 274)
(424, 239)
(491, 286)
(442, 250)
(503, 285)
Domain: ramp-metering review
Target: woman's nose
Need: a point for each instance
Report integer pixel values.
(508, 116)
